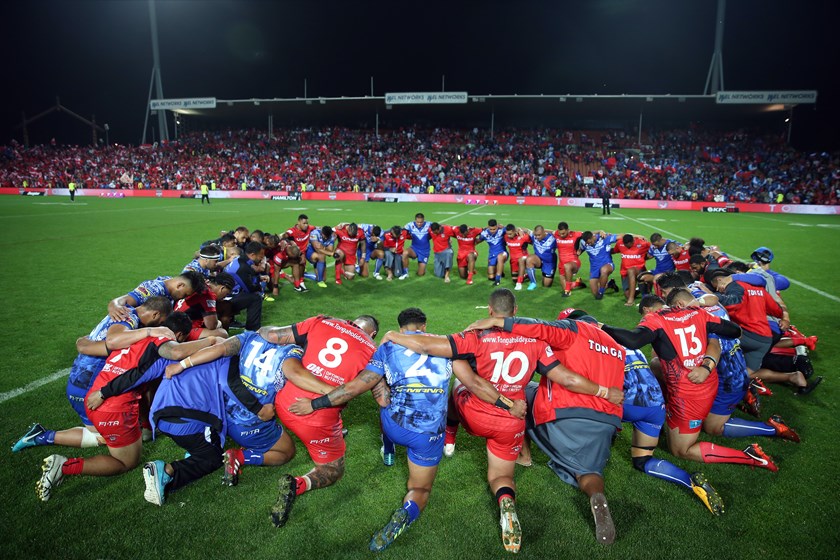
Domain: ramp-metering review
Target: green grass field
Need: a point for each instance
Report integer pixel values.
(63, 262)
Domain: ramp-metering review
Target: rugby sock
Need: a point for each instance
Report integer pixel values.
(302, 484)
(498, 278)
(717, 454)
(738, 427)
(413, 510)
(601, 291)
(281, 276)
(378, 266)
(72, 466)
(531, 276)
(451, 432)
(47, 438)
(320, 269)
(519, 278)
(387, 444)
(338, 272)
(660, 468)
(298, 283)
(469, 276)
(567, 286)
(249, 457)
(505, 492)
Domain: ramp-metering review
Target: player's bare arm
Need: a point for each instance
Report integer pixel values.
(123, 337)
(117, 309)
(700, 373)
(337, 396)
(381, 393)
(278, 335)
(203, 354)
(179, 350)
(487, 323)
(577, 383)
(485, 390)
(295, 372)
(431, 345)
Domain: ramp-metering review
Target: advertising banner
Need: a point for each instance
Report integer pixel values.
(765, 97)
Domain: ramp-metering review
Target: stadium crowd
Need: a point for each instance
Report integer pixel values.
(720, 329)
(679, 164)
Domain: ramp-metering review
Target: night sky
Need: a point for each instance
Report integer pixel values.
(97, 56)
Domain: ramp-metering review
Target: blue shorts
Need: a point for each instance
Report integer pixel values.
(548, 267)
(596, 272)
(661, 268)
(76, 396)
(725, 402)
(493, 259)
(424, 449)
(646, 419)
(259, 437)
(422, 253)
(368, 252)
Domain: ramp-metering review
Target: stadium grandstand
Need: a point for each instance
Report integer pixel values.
(644, 147)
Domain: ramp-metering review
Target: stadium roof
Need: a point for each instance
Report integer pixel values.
(595, 111)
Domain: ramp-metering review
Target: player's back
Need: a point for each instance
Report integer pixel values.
(419, 386)
(505, 359)
(641, 387)
(682, 341)
(335, 350)
(260, 366)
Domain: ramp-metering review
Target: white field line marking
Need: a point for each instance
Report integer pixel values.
(34, 385)
(463, 213)
(792, 281)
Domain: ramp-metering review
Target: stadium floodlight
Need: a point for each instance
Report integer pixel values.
(256, 102)
(579, 99)
(562, 100)
(649, 99)
(322, 101)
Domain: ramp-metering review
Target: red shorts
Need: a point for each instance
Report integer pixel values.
(280, 260)
(324, 443)
(686, 412)
(462, 258)
(119, 429)
(504, 439)
(349, 258)
(575, 262)
(195, 333)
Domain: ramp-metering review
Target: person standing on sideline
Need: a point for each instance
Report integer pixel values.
(71, 186)
(605, 200)
(205, 193)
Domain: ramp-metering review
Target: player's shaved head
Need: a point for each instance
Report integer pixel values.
(650, 303)
(411, 317)
(502, 303)
(679, 297)
(367, 323)
(627, 239)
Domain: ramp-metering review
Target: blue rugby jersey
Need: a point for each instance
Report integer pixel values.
(419, 386)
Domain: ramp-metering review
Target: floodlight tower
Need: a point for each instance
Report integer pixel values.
(715, 76)
(155, 81)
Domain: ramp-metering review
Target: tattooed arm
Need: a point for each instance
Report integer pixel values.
(365, 381)
(202, 354)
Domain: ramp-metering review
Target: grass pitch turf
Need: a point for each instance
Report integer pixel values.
(62, 262)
